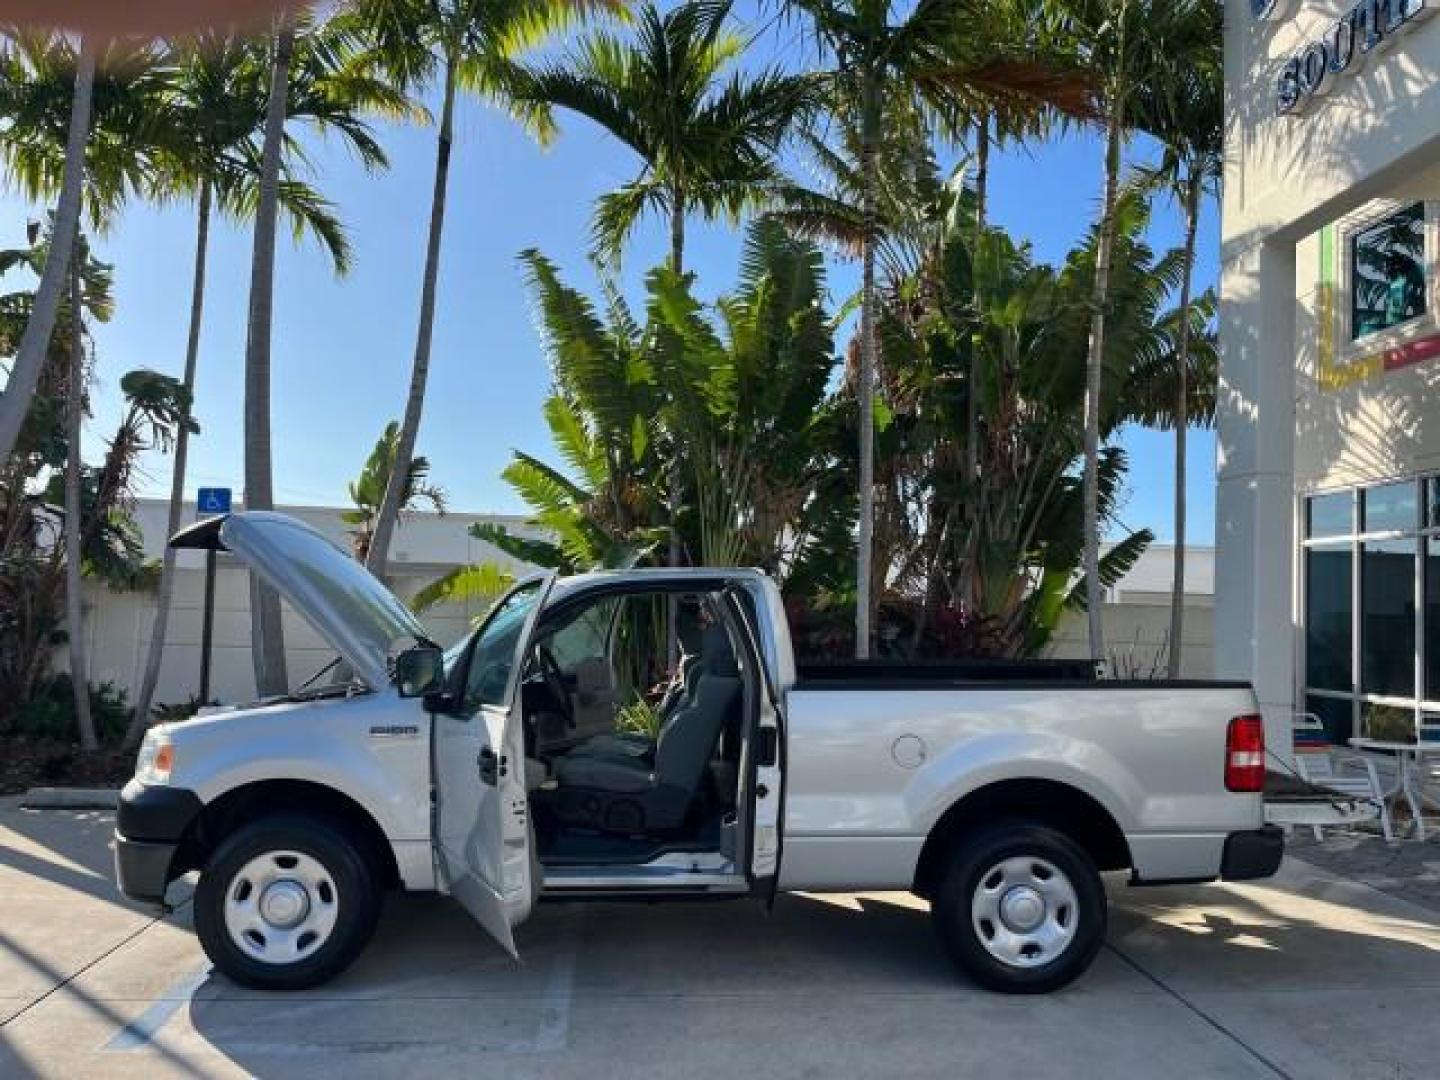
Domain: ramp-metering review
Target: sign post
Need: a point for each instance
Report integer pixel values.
(209, 501)
(207, 627)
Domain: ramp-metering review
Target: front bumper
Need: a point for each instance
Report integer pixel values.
(1250, 855)
(142, 869)
(150, 825)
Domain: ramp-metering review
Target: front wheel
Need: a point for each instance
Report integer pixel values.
(286, 903)
(1022, 909)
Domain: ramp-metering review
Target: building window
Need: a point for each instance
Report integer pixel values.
(1329, 617)
(1333, 514)
(1388, 508)
(1388, 272)
(1387, 617)
(1431, 570)
(1371, 609)
(1335, 714)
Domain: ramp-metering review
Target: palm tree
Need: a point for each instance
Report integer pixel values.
(216, 100)
(118, 145)
(933, 54)
(367, 491)
(22, 64)
(471, 46)
(307, 62)
(706, 140)
(1190, 170)
(1008, 586)
(1138, 50)
(33, 565)
(267, 642)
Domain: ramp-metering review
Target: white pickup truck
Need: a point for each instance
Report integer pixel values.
(648, 733)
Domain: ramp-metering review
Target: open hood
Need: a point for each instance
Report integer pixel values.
(346, 604)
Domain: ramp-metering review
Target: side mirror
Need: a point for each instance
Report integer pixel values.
(419, 670)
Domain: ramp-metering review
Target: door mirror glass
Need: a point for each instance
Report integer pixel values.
(419, 671)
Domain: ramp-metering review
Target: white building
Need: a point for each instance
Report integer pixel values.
(117, 625)
(1137, 618)
(1328, 570)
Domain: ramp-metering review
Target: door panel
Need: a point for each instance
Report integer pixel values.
(482, 818)
(767, 788)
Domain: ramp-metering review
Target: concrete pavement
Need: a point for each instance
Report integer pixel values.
(1307, 976)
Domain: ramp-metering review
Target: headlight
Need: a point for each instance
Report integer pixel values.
(155, 760)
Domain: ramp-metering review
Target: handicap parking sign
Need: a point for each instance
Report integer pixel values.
(213, 501)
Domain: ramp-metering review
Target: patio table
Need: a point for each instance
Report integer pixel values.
(1410, 784)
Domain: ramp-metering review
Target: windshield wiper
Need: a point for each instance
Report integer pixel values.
(311, 681)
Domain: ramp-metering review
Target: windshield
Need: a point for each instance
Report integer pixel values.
(493, 655)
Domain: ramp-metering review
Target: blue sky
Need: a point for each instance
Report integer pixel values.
(342, 347)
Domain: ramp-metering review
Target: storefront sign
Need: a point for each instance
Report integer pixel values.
(1311, 72)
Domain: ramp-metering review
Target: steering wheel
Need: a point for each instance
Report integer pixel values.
(555, 680)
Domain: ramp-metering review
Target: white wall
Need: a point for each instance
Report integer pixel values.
(1137, 618)
(118, 624)
(1356, 424)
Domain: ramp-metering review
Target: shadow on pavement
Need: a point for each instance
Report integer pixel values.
(67, 847)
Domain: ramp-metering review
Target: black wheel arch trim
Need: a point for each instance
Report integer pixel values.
(155, 812)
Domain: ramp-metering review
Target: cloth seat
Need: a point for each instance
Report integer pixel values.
(714, 650)
(653, 794)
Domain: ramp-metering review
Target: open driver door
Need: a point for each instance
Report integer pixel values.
(764, 789)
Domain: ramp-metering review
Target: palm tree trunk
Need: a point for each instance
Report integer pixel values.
(1094, 365)
(377, 555)
(74, 599)
(165, 594)
(677, 263)
(865, 377)
(677, 234)
(970, 584)
(267, 642)
(982, 178)
(30, 356)
(1182, 422)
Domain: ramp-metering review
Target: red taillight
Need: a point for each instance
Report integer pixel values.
(1245, 754)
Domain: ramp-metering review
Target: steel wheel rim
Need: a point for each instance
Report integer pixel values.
(1025, 911)
(281, 907)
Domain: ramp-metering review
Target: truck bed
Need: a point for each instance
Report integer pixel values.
(978, 675)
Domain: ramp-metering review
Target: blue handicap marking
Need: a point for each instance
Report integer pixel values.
(213, 501)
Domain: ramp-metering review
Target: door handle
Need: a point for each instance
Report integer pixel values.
(489, 767)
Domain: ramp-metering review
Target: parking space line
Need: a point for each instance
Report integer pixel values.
(142, 1030)
(554, 1031)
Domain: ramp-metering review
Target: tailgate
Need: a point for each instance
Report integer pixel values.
(1290, 800)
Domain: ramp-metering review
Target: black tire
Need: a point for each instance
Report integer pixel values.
(357, 900)
(975, 857)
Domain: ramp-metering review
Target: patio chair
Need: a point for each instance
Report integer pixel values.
(1320, 762)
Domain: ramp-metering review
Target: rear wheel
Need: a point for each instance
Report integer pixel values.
(286, 903)
(1022, 909)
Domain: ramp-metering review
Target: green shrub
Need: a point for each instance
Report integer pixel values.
(50, 712)
(638, 717)
(1390, 722)
(176, 711)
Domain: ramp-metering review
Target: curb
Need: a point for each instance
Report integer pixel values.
(63, 798)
